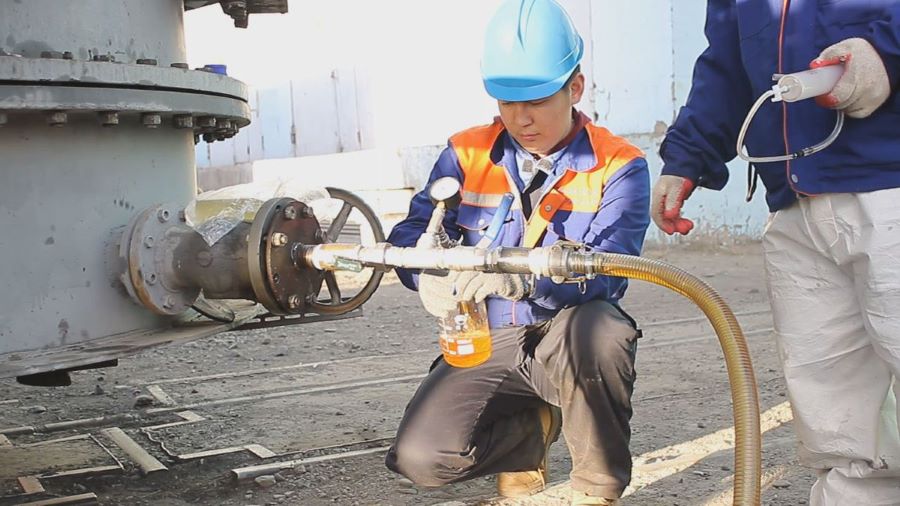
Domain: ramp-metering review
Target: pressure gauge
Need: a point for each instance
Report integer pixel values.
(446, 190)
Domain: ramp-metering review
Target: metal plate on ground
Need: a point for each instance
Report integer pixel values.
(295, 424)
(53, 457)
(323, 375)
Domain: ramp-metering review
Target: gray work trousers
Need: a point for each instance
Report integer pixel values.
(466, 423)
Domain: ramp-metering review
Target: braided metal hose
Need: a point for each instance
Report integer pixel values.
(744, 395)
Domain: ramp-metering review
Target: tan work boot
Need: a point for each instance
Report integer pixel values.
(582, 499)
(525, 483)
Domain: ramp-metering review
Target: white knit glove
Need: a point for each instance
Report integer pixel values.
(864, 85)
(478, 286)
(438, 292)
(669, 194)
(441, 293)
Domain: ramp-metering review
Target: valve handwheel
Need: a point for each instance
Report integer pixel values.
(338, 304)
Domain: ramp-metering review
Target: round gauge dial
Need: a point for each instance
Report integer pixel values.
(444, 189)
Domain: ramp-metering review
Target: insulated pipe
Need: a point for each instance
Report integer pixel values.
(563, 261)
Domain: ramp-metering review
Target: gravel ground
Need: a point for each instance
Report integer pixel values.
(306, 393)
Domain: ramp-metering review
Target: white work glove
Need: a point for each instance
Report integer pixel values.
(438, 292)
(864, 85)
(669, 194)
(478, 286)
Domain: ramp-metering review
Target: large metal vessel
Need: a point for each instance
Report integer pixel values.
(99, 114)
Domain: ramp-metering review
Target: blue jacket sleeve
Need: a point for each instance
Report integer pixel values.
(884, 35)
(618, 227)
(408, 231)
(703, 136)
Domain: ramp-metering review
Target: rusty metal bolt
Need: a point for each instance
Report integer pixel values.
(3, 118)
(231, 5)
(150, 279)
(57, 118)
(108, 118)
(51, 54)
(204, 258)
(146, 61)
(151, 120)
(163, 215)
(237, 9)
(307, 212)
(278, 239)
(67, 55)
(290, 212)
(206, 122)
(179, 65)
(183, 121)
(294, 301)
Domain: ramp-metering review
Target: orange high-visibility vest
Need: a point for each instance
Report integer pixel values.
(579, 192)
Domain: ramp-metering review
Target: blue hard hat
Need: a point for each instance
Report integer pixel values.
(530, 50)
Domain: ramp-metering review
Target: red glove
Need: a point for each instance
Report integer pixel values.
(669, 195)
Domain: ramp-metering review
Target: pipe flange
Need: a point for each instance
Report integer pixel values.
(16, 98)
(147, 246)
(99, 74)
(277, 283)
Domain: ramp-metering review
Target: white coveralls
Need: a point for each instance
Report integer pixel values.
(833, 265)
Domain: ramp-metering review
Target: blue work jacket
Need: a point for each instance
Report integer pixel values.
(749, 41)
(598, 195)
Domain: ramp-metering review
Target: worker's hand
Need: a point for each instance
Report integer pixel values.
(864, 85)
(435, 240)
(438, 292)
(669, 195)
(478, 286)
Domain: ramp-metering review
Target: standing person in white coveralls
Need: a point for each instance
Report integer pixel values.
(832, 244)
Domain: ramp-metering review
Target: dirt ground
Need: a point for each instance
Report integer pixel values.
(326, 398)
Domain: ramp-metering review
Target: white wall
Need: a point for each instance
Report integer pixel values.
(724, 213)
(399, 76)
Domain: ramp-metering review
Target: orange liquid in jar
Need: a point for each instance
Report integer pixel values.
(468, 349)
(465, 335)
